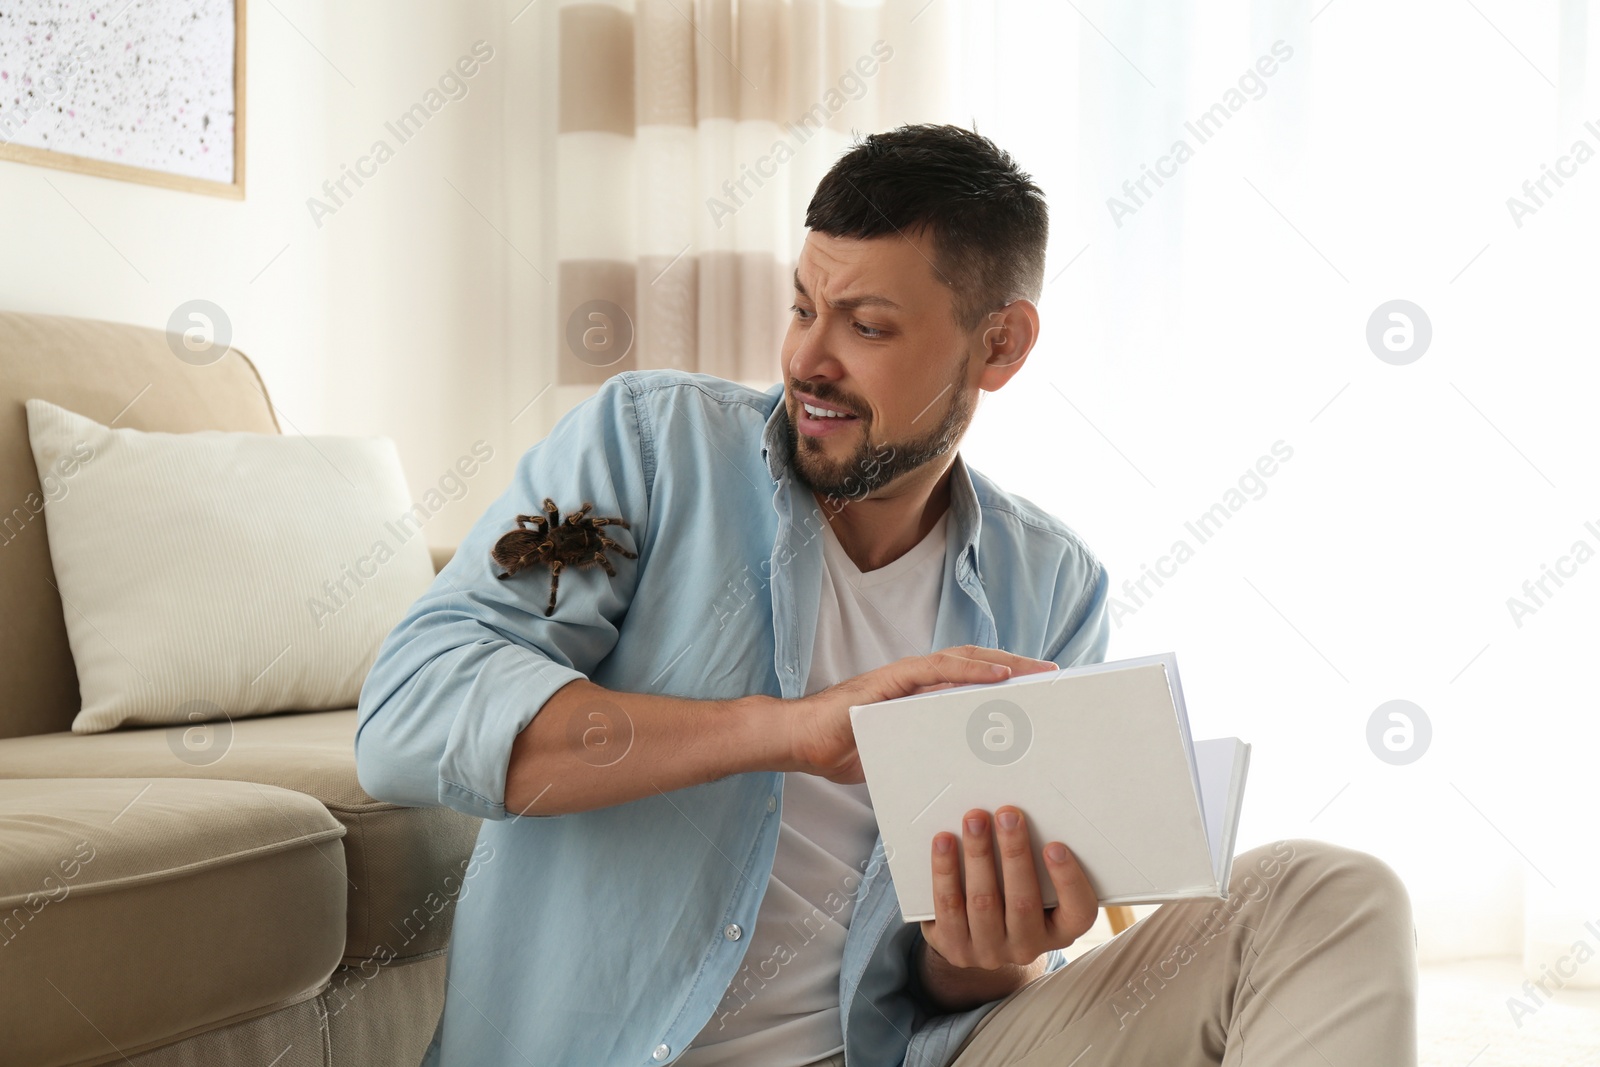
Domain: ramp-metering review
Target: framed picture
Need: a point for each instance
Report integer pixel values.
(140, 90)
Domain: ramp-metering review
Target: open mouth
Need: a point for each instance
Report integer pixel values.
(820, 420)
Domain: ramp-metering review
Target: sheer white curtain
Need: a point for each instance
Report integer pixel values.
(1199, 327)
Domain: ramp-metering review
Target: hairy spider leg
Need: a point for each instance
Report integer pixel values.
(600, 558)
(604, 540)
(552, 512)
(577, 516)
(555, 580)
(536, 523)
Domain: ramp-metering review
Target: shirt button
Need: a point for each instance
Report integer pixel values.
(732, 932)
(772, 803)
(661, 1053)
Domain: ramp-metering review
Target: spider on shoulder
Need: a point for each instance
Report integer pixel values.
(576, 542)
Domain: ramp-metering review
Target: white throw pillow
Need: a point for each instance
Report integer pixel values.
(214, 575)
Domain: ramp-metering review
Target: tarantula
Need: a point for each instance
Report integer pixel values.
(546, 539)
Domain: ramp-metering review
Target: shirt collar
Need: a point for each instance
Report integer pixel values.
(965, 522)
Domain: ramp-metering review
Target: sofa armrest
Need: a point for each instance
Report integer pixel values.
(441, 556)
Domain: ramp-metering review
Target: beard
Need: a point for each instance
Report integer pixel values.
(874, 465)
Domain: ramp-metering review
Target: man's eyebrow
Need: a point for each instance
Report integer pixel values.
(850, 303)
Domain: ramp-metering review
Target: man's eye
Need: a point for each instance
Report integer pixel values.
(871, 333)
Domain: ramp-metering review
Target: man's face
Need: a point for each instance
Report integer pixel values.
(873, 336)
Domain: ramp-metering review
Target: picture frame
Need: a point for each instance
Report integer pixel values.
(63, 96)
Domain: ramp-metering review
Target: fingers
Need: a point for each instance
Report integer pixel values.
(1001, 927)
(1017, 664)
(962, 665)
(975, 924)
(1024, 904)
(916, 674)
(959, 665)
(955, 669)
(986, 911)
(949, 899)
(1077, 906)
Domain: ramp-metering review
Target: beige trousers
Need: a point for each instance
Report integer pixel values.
(1310, 961)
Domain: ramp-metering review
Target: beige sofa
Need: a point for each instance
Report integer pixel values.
(251, 905)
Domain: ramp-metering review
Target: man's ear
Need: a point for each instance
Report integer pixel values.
(1007, 338)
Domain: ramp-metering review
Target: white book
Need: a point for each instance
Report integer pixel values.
(1096, 757)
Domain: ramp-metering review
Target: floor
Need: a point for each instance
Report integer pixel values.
(1463, 1019)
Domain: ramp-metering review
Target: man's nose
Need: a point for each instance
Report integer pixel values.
(814, 358)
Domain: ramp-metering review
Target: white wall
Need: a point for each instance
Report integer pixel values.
(397, 314)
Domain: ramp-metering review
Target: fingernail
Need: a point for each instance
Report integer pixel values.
(1055, 852)
(1007, 820)
(941, 844)
(975, 825)
(999, 668)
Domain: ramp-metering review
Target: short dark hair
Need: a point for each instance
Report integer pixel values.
(987, 217)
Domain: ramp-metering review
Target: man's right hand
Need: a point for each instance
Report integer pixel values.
(821, 741)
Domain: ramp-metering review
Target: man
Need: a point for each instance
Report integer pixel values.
(679, 862)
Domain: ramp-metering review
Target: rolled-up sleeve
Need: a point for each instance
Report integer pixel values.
(475, 658)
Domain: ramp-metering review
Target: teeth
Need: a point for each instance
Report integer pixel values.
(824, 413)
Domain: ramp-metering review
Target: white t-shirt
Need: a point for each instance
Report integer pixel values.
(782, 1008)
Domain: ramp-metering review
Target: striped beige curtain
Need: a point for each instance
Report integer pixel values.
(691, 135)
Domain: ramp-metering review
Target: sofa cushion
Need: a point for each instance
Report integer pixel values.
(121, 376)
(406, 865)
(133, 910)
(243, 573)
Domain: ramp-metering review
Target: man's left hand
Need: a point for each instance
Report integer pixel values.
(973, 925)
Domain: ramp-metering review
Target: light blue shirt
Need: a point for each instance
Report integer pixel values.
(607, 938)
